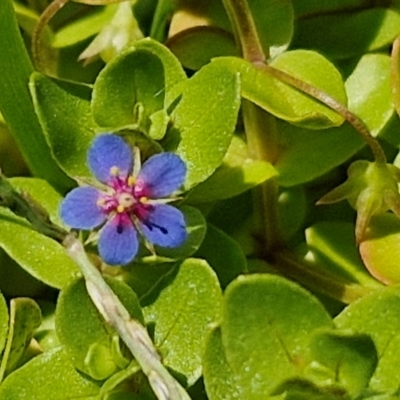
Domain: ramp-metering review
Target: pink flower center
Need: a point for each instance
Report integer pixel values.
(127, 196)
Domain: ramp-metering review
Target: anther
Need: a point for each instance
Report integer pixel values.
(114, 171)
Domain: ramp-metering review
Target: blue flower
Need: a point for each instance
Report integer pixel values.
(134, 200)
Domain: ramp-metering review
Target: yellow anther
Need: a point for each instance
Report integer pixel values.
(144, 199)
(131, 181)
(101, 202)
(114, 171)
(120, 208)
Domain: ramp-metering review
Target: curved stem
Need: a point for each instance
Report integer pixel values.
(328, 100)
(245, 30)
(44, 19)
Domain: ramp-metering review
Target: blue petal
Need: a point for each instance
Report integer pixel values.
(162, 174)
(109, 151)
(164, 226)
(118, 242)
(79, 209)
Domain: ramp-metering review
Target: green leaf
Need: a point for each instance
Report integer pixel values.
(237, 173)
(208, 41)
(25, 317)
(265, 333)
(223, 254)
(378, 316)
(42, 257)
(348, 34)
(204, 130)
(87, 339)
(3, 322)
(348, 360)
(316, 151)
(180, 308)
(332, 245)
(83, 28)
(135, 85)
(64, 112)
(369, 93)
(16, 104)
(218, 377)
(380, 251)
(369, 90)
(48, 376)
(273, 21)
(285, 102)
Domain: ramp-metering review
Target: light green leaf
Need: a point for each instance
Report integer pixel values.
(83, 28)
(42, 257)
(180, 308)
(25, 317)
(380, 251)
(378, 315)
(48, 376)
(87, 339)
(237, 173)
(369, 90)
(135, 85)
(348, 360)
(64, 112)
(218, 377)
(285, 102)
(264, 332)
(348, 34)
(204, 130)
(331, 244)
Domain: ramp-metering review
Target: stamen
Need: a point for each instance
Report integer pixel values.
(131, 180)
(120, 209)
(101, 202)
(144, 199)
(114, 171)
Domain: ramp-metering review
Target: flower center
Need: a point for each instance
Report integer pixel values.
(125, 201)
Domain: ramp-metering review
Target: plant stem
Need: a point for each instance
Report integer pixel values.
(130, 331)
(245, 30)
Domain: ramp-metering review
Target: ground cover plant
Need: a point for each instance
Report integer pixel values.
(199, 199)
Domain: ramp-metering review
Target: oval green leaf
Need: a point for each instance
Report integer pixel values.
(378, 315)
(64, 113)
(48, 376)
(264, 332)
(40, 256)
(180, 308)
(285, 102)
(237, 174)
(204, 130)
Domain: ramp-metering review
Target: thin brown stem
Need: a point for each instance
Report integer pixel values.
(44, 19)
(245, 30)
